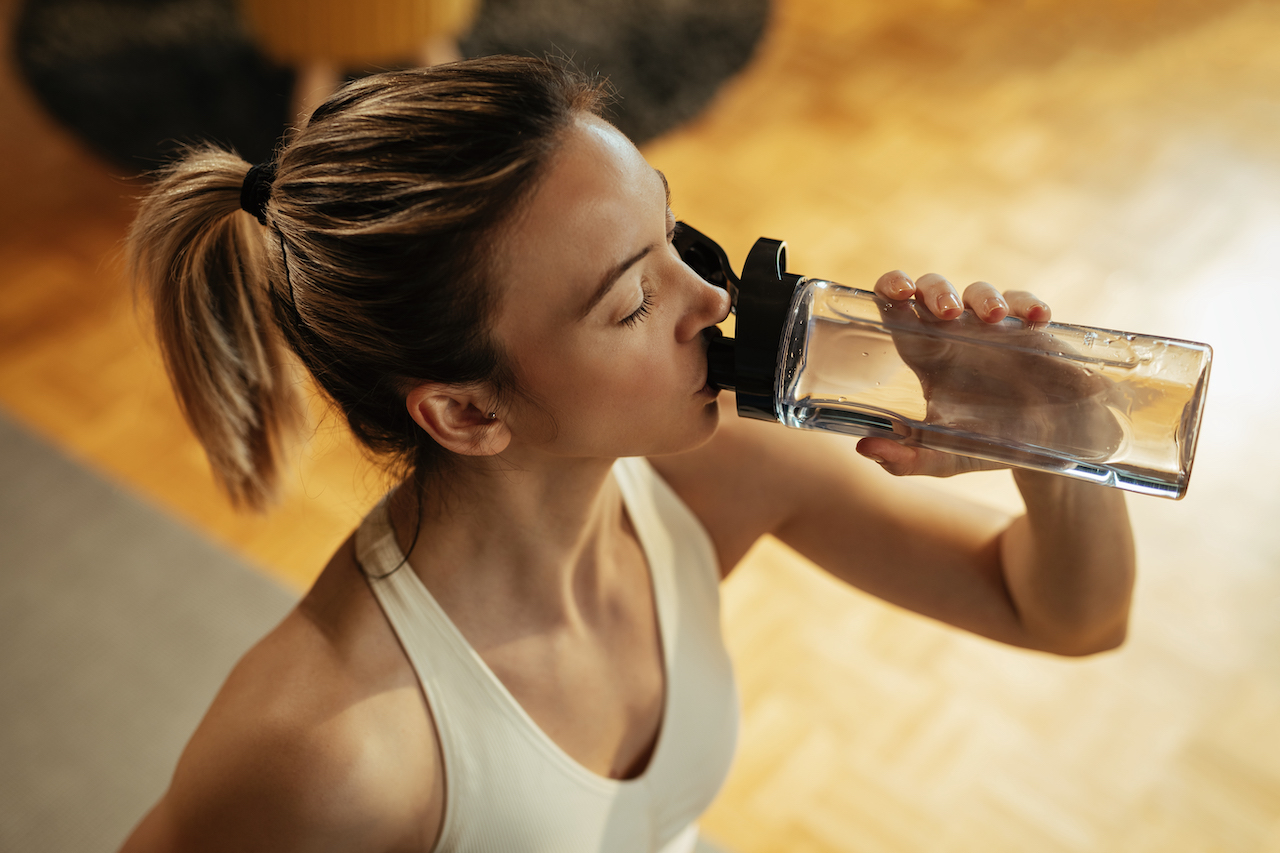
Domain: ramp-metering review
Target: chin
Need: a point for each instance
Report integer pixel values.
(709, 422)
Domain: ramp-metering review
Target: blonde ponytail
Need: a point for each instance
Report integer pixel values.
(202, 262)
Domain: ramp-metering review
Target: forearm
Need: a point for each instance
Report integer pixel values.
(1069, 564)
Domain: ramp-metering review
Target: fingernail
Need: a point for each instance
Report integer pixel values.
(995, 304)
(947, 302)
(876, 459)
(901, 288)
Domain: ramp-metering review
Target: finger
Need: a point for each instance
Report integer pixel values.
(986, 302)
(939, 296)
(889, 455)
(895, 285)
(1027, 306)
(903, 461)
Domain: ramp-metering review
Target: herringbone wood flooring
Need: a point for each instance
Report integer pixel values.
(1121, 159)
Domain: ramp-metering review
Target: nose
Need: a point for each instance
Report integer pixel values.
(722, 302)
(708, 305)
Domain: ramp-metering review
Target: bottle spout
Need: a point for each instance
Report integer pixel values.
(746, 363)
(705, 257)
(720, 357)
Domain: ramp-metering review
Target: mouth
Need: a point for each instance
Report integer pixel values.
(708, 389)
(706, 366)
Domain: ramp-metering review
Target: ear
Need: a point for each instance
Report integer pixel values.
(457, 417)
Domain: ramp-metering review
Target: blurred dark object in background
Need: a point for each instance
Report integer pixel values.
(136, 78)
(667, 58)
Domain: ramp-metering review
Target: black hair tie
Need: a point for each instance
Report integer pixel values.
(255, 192)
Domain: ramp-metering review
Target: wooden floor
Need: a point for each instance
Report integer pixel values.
(1119, 157)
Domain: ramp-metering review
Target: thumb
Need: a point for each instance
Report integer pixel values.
(901, 460)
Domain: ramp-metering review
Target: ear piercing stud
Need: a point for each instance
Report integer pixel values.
(493, 416)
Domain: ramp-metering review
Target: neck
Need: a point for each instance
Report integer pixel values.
(541, 541)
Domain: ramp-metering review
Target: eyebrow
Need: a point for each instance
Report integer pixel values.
(616, 272)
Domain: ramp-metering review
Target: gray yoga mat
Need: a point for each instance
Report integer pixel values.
(117, 625)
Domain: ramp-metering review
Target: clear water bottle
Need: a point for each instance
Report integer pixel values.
(1116, 408)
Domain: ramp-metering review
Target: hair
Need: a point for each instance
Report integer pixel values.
(375, 269)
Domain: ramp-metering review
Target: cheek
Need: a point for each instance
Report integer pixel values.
(627, 400)
(624, 383)
(582, 379)
(622, 389)
(652, 366)
(609, 377)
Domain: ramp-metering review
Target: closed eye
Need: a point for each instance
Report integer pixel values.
(640, 313)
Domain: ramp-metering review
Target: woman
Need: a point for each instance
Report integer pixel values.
(519, 648)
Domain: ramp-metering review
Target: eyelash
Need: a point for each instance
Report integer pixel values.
(640, 313)
(647, 301)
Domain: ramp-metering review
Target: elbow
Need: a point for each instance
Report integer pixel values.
(1112, 641)
(1089, 645)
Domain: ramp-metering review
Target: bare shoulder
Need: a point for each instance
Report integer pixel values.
(318, 740)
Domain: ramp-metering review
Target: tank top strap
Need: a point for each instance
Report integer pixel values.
(664, 522)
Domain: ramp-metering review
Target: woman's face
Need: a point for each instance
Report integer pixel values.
(601, 318)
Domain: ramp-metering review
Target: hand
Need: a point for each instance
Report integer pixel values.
(1018, 395)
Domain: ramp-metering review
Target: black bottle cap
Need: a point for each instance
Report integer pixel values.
(748, 362)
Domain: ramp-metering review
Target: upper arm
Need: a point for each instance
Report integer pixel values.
(297, 755)
(892, 537)
(228, 796)
(275, 790)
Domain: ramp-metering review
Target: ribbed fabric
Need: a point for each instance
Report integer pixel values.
(352, 31)
(509, 787)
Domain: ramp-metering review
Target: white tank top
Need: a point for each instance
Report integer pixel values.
(508, 786)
